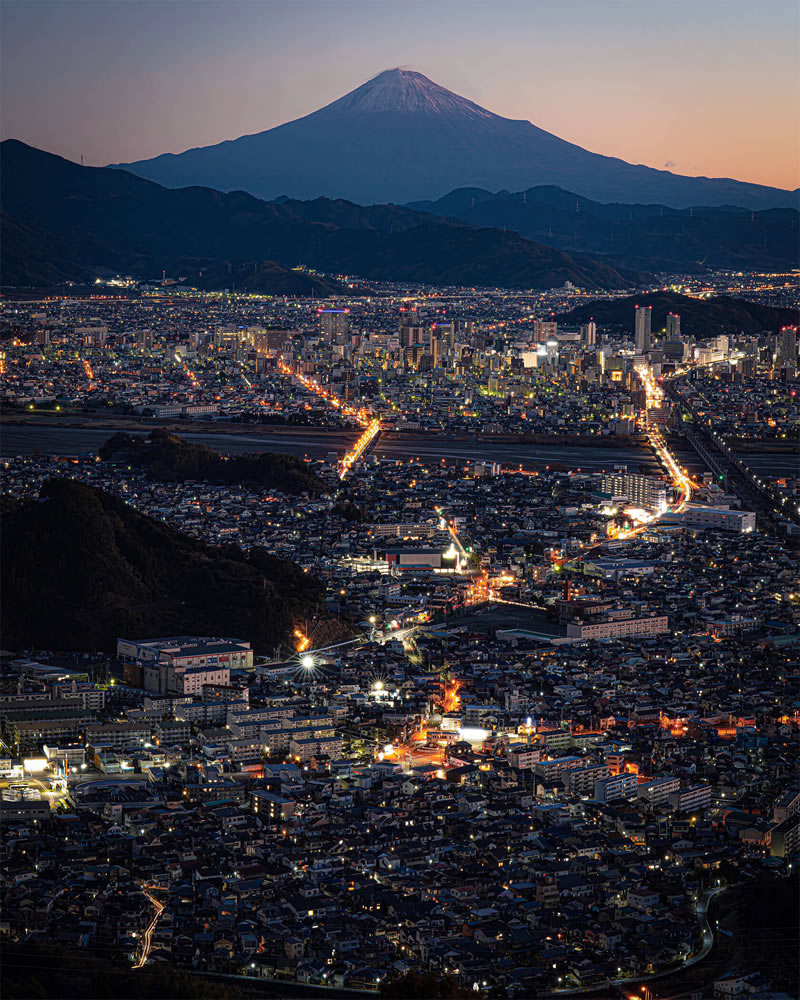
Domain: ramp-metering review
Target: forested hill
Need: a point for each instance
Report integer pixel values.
(701, 318)
(170, 458)
(80, 568)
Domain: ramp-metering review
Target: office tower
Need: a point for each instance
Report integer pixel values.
(589, 333)
(674, 351)
(445, 333)
(334, 325)
(748, 365)
(642, 329)
(411, 332)
(412, 355)
(463, 330)
(545, 329)
(408, 317)
(787, 345)
(144, 340)
(673, 326)
(92, 336)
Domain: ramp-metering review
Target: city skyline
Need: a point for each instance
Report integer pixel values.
(134, 81)
(401, 504)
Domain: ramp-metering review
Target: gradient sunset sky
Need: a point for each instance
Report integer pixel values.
(704, 87)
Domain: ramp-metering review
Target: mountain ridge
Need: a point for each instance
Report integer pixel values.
(113, 220)
(400, 137)
(651, 237)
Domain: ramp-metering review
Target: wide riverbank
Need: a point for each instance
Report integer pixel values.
(69, 437)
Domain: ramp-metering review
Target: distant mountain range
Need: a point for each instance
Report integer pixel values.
(700, 318)
(401, 137)
(63, 221)
(649, 237)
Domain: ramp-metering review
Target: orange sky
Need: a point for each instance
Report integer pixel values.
(702, 87)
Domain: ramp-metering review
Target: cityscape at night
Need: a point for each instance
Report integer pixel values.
(400, 520)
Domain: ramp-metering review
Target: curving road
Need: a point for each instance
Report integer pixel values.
(634, 981)
(147, 940)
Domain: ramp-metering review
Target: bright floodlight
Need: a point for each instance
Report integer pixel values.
(307, 662)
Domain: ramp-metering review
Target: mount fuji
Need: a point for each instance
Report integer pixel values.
(401, 137)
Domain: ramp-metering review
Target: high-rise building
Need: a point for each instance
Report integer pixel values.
(545, 329)
(144, 340)
(334, 325)
(748, 365)
(673, 326)
(643, 491)
(589, 333)
(642, 329)
(445, 333)
(267, 338)
(93, 336)
(787, 346)
(408, 317)
(412, 333)
(464, 329)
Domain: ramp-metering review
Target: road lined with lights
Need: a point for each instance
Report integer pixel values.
(147, 939)
(370, 423)
(783, 506)
(367, 438)
(681, 480)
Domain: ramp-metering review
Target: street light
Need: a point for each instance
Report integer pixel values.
(307, 662)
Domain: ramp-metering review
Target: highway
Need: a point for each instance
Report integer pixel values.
(681, 480)
(744, 480)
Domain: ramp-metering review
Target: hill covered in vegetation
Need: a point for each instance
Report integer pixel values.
(170, 458)
(701, 318)
(80, 568)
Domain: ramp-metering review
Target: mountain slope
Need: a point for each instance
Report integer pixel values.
(401, 137)
(32, 257)
(700, 318)
(80, 567)
(654, 237)
(113, 220)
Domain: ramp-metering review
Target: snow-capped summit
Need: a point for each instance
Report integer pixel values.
(400, 137)
(406, 91)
